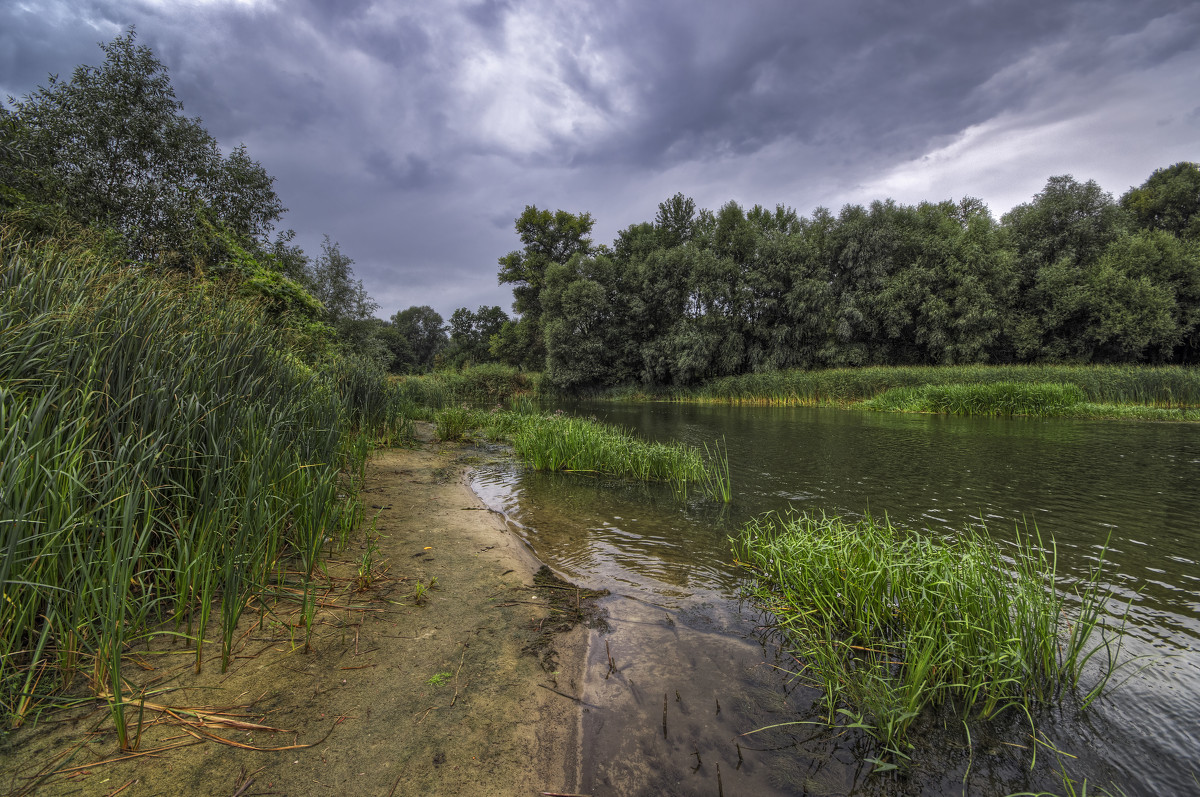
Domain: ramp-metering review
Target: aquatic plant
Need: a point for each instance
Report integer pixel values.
(888, 622)
(162, 451)
(994, 398)
(561, 442)
(453, 422)
(1164, 387)
(486, 384)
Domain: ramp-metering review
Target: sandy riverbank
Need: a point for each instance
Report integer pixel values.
(457, 695)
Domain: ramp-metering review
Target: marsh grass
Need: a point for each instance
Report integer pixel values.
(560, 442)
(453, 423)
(994, 398)
(888, 623)
(162, 450)
(1171, 391)
(480, 385)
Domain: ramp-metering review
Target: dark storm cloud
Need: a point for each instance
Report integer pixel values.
(415, 133)
(411, 173)
(891, 74)
(54, 38)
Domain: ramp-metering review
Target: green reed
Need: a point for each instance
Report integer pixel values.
(1166, 387)
(888, 623)
(994, 398)
(560, 442)
(162, 451)
(485, 385)
(453, 422)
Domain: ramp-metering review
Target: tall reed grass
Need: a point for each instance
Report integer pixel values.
(888, 623)
(479, 385)
(161, 452)
(1168, 387)
(560, 442)
(993, 398)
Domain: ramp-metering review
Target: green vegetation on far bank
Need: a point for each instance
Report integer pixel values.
(1072, 276)
(888, 623)
(1166, 393)
(480, 385)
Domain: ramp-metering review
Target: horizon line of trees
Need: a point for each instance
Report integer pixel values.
(1073, 276)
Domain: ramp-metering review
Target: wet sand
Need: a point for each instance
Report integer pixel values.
(467, 692)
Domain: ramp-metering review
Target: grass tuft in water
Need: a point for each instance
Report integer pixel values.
(453, 423)
(561, 442)
(995, 398)
(888, 623)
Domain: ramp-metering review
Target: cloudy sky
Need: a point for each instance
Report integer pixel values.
(413, 133)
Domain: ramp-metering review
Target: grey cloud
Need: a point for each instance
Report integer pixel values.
(411, 173)
(357, 108)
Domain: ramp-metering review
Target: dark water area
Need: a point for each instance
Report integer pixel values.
(695, 668)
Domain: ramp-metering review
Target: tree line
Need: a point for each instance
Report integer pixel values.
(109, 152)
(1073, 276)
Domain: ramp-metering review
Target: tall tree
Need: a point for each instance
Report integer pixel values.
(1055, 238)
(548, 238)
(674, 220)
(113, 146)
(1067, 218)
(333, 284)
(471, 334)
(1169, 200)
(1142, 300)
(425, 331)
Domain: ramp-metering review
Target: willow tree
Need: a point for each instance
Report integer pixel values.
(113, 147)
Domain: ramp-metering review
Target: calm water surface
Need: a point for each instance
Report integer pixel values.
(695, 669)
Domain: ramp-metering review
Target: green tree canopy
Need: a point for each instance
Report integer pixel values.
(471, 335)
(695, 295)
(1169, 200)
(113, 146)
(425, 331)
(333, 284)
(548, 238)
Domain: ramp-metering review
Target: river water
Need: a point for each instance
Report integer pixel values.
(687, 669)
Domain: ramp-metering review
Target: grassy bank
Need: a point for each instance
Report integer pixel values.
(165, 456)
(558, 442)
(888, 623)
(1134, 392)
(480, 385)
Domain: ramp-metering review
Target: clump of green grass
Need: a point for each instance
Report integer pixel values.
(486, 384)
(453, 423)
(995, 398)
(561, 442)
(888, 623)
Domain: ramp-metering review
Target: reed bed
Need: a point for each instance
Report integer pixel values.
(480, 385)
(560, 442)
(453, 423)
(888, 623)
(995, 398)
(1166, 387)
(162, 451)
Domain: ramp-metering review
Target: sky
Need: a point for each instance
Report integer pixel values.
(414, 133)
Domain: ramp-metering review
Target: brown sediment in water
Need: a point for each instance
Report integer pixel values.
(475, 690)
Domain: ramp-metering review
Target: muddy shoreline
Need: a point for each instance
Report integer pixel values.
(441, 667)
